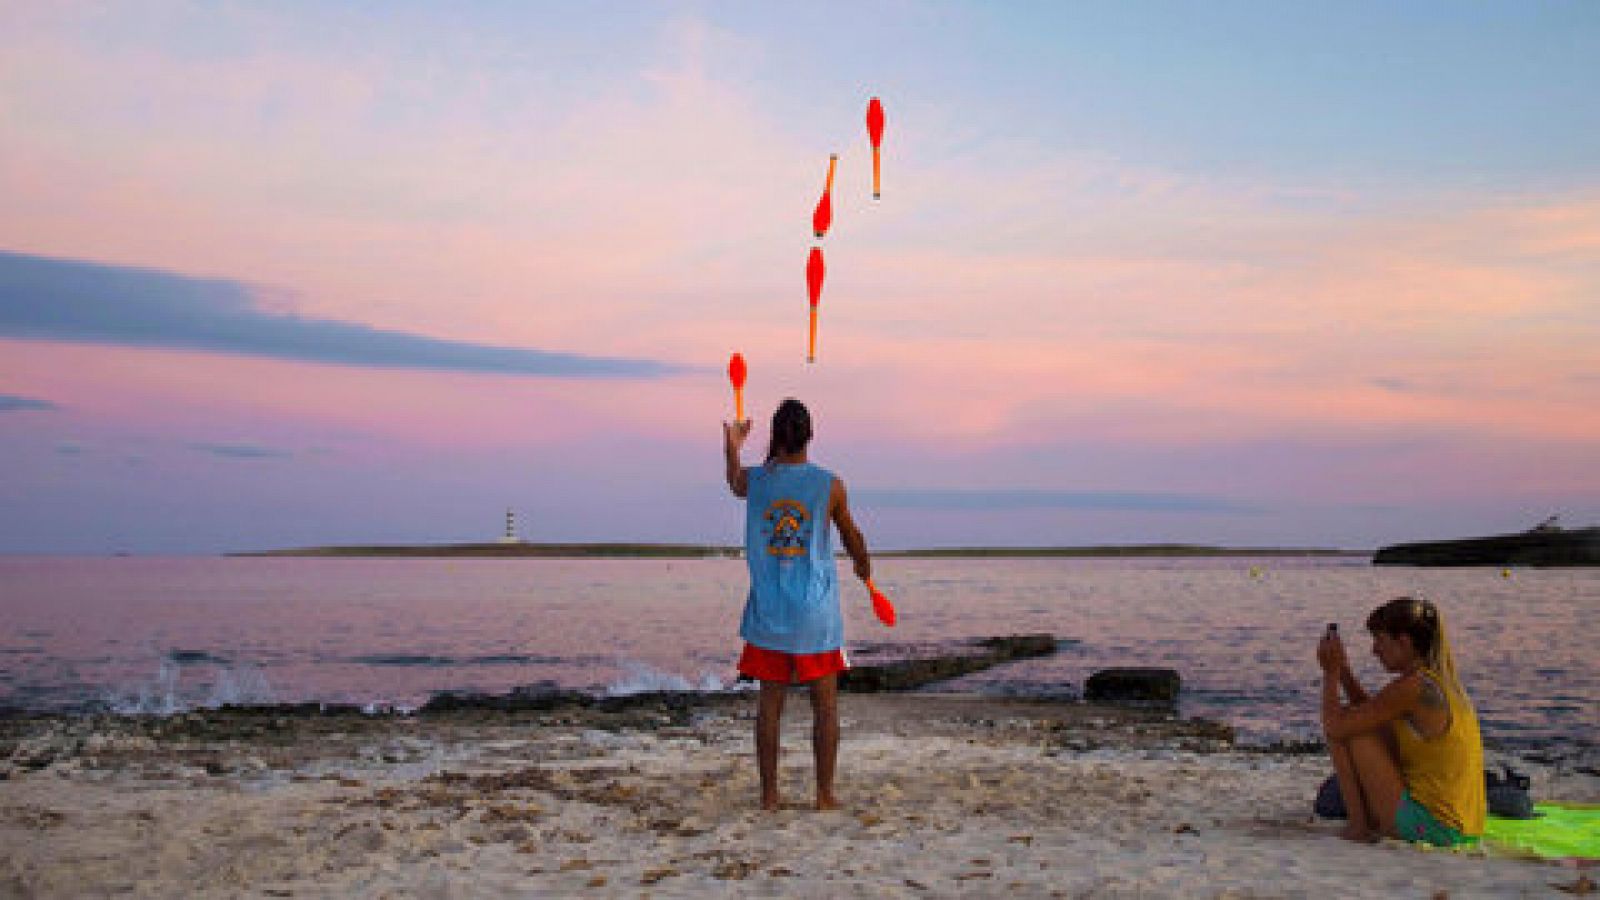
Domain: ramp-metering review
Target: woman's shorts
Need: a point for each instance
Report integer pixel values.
(1413, 822)
(790, 668)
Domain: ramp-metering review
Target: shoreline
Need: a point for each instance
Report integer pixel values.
(944, 795)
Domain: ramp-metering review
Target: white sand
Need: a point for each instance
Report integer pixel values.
(945, 797)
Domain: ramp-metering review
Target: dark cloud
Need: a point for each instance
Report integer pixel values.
(71, 300)
(1398, 385)
(242, 451)
(14, 403)
(1023, 498)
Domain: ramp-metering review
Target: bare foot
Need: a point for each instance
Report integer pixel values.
(826, 802)
(1357, 833)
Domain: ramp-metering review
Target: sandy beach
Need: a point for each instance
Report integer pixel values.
(944, 795)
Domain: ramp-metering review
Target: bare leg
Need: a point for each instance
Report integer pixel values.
(825, 736)
(1370, 782)
(1378, 769)
(769, 721)
(1360, 824)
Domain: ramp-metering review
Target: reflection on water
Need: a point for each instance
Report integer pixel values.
(154, 634)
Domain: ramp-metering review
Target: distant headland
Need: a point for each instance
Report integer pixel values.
(524, 549)
(1545, 544)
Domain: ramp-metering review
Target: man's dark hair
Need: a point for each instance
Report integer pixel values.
(791, 429)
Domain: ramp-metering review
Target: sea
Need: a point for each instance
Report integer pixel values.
(163, 635)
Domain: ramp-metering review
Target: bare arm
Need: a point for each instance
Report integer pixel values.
(1333, 659)
(733, 435)
(1353, 690)
(1398, 698)
(854, 543)
(1362, 713)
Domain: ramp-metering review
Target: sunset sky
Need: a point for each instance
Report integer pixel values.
(283, 274)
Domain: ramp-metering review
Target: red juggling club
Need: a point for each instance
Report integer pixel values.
(881, 607)
(814, 272)
(823, 217)
(736, 374)
(875, 134)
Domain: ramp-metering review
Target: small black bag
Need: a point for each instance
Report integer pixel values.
(1508, 797)
(1330, 803)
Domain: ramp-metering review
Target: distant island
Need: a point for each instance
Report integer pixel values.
(521, 549)
(1545, 544)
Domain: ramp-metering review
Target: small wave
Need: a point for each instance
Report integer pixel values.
(164, 694)
(241, 685)
(639, 678)
(156, 697)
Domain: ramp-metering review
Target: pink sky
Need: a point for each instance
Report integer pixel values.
(1014, 314)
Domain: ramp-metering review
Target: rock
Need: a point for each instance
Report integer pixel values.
(1138, 688)
(536, 698)
(912, 673)
(42, 750)
(676, 708)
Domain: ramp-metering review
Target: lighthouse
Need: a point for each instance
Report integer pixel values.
(510, 537)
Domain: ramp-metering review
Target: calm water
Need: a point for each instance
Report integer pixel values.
(165, 634)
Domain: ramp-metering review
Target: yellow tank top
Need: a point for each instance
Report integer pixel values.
(1445, 773)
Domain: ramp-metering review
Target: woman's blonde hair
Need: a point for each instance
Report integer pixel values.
(1422, 621)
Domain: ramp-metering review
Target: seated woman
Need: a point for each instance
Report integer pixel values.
(1409, 758)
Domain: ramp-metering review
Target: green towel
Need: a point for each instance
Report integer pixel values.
(1559, 831)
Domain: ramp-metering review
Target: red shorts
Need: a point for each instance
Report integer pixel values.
(791, 668)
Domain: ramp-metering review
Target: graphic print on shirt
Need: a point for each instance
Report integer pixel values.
(788, 528)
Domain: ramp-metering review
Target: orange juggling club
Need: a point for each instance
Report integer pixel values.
(823, 217)
(881, 607)
(736, 374)
(875, 134)
(814, 272)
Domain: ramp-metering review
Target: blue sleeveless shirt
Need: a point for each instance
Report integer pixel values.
(793, 605)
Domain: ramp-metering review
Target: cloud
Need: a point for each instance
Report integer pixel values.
(1398, 385)
(14, 403)
(86, 302)
(242, 451)
(1026, 498)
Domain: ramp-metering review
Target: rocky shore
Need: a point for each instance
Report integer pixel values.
(946, 795)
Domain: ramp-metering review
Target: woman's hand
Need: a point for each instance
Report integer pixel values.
(1330, 653)
(734, 434)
